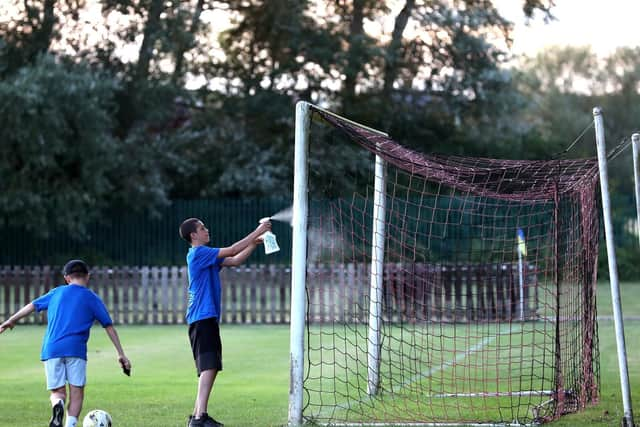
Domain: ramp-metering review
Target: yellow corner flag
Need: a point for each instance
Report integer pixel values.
(522, 247)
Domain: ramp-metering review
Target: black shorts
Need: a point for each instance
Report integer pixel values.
(206, 345)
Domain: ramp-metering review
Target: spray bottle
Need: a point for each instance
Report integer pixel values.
(269, 239)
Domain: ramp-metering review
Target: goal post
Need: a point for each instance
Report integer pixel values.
(613, 269)
(415, 299)
(635, 140)
(298, 263)
(377, 270)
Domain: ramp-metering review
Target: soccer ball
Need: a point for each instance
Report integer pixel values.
(97, 418)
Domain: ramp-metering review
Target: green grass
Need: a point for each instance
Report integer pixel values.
(253, 388)
(609, 411)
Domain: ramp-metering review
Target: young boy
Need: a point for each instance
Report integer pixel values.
(204, 309)
(71, 311)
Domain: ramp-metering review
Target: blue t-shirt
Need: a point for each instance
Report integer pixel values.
(204, 283)
(71, 311)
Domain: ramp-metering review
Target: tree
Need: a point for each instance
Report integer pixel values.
(60, 165)
(424, 78)
(54, 168)
(30, 34)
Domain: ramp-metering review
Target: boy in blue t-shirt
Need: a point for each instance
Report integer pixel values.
(203, 312)
(71, 311)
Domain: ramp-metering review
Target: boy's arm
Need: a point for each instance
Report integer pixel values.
(11, 321)
(242, 256)
(122, 359)
(242, 244)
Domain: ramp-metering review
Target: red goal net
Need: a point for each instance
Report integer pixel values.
(488, 311)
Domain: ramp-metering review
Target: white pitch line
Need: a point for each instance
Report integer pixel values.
(460, 356)
(431, 371)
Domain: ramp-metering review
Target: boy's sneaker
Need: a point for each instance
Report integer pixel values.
(57, 414)
(213, 422)
(204, 421)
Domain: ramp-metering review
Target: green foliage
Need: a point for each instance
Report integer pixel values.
(55, 169)
(61, 162)
(443, 89)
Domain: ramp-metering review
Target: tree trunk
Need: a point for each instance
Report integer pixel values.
(394, 48)
(393, 56)
(42, 36)
(184, 46)
(150, 36)
(356, 33)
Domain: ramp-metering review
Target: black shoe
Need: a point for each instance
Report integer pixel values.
(57, 415)
(214, 423)
(204, 421)
(189, 421)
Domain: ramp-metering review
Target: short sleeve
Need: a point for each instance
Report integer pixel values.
(42, 302)
(101, 313)
(207, 257)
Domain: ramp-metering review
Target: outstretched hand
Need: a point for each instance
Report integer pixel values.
(6, 325)
(125, 364)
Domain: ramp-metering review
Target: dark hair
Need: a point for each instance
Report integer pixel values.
(75, 267)
(187, 227)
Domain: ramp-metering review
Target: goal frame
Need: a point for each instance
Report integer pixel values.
(298, 269)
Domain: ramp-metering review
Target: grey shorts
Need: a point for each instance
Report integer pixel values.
(63, 370)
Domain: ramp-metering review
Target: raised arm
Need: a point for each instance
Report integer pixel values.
(11, 321)
(242, 244)
(242, 256)
(122, 359)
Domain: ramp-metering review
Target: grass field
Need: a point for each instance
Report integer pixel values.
(252, 390)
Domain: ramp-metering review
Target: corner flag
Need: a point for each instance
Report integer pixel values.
(522, 247)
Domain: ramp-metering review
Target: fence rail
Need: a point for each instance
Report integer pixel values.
(157, 295)
(424, 292)
(261, 293)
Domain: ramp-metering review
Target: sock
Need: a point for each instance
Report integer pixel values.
(71, 421)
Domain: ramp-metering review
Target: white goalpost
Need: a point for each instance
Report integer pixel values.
(298, 263)
(635, 140)
(613, 269)
(377, 266)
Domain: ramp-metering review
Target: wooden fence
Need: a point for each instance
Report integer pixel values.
(423, 292)
(157, 295)
(261, 293)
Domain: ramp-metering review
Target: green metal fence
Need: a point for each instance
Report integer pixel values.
(126, 238)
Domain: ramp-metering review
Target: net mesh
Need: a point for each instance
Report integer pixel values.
(477, 325)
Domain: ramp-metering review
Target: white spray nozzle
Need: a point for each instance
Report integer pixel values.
(265, 219)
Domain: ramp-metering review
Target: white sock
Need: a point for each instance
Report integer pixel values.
(71, 421)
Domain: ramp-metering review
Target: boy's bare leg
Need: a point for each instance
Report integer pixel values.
(58, 394)
(76, 397)
(205, 384)
(57, 398)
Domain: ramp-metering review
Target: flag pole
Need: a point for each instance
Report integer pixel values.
(521, 252)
